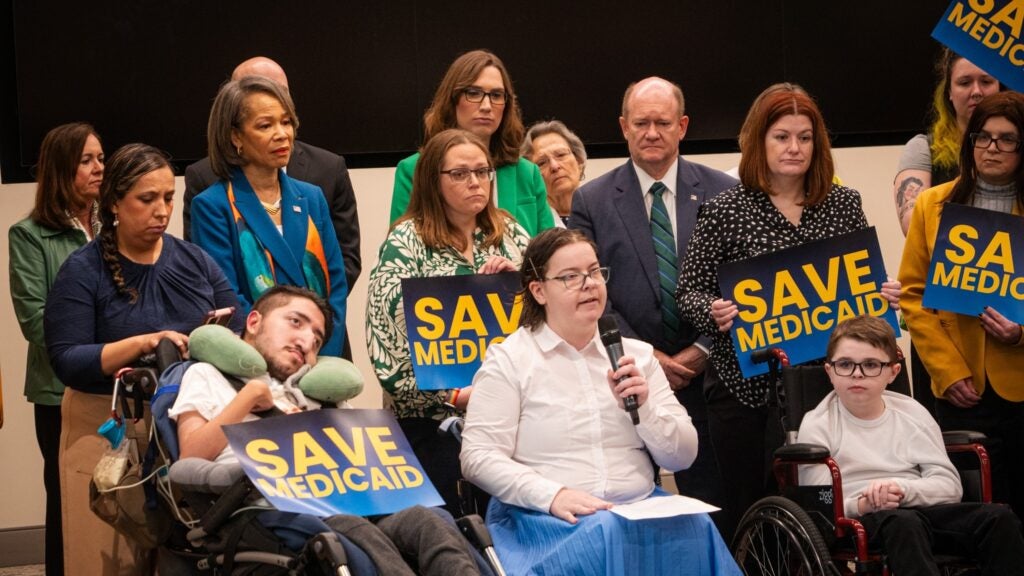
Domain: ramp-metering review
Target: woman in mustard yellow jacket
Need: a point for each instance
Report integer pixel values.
(976, 362)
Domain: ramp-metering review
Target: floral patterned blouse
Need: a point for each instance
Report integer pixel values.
(403, 255)
(741, 223)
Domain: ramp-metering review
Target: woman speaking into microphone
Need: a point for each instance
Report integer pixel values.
(548, 436)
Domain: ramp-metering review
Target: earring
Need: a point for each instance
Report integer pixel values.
(239, 151)
(116, 221)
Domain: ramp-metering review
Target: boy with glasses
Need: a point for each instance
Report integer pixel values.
(897, 478)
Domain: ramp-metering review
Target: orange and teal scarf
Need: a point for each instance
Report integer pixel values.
(259, 264)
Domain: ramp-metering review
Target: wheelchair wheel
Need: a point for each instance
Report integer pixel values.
(776, 537)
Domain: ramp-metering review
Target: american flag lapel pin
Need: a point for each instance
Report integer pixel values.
(299, 210)
(693, 197)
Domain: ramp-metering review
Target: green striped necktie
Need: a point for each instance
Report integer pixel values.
(668, 271)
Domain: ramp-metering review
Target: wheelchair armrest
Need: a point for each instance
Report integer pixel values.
(960, 437)
(802, 453)
(452, 426)
(200, 475)
(473, 528)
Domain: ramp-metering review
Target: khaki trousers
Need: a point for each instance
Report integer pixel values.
(91, 546)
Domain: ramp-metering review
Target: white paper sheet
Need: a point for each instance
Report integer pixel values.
(663, 507)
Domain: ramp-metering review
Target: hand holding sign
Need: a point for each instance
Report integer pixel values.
(723, 312)
(891, 291)
(1000, 327)
(496, 264)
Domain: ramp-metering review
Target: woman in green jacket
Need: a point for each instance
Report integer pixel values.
(65, 217)
(476, 95)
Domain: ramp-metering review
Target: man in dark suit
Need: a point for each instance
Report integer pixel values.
(616, 211)
(308, 164)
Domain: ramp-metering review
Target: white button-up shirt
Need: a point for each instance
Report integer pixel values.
(542, 417)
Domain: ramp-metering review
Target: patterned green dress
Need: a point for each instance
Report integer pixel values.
(403, 255)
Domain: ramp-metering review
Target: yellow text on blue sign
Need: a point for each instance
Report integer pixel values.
(787, 312)
(466, 337)
(999, 30)
(291, 476)
(988, 271)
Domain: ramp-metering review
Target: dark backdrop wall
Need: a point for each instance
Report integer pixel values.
(362, 73)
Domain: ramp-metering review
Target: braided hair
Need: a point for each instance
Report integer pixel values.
(123, 169)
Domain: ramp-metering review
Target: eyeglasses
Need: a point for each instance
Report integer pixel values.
(1005, 144)
(462, 174)
(476, 95)
(868, 368)
(576, 280)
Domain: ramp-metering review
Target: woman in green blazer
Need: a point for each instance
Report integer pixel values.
(476, 95)
(65, 217)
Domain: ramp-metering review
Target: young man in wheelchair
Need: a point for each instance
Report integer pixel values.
(896, 476)
(287, 326)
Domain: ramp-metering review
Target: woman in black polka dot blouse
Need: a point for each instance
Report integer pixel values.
(786, 198)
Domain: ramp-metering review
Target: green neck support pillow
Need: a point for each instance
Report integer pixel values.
(331, 380)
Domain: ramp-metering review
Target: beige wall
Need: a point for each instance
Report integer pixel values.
(869, 170)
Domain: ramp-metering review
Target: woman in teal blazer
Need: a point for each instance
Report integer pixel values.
(476, 95)
(260, 226)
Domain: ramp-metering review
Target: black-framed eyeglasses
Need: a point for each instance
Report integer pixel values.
(576, 280)
(462, 174)
(868, 368)
(1005, 144)
(476, 95)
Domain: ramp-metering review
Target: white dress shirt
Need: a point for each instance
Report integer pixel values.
(669, 196)
(542, 417)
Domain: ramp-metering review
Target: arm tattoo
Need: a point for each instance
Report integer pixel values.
(906, 195)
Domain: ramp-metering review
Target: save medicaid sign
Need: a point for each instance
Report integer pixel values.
(327, 462)
(793, 299)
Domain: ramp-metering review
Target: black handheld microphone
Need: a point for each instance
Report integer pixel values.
(608, 327)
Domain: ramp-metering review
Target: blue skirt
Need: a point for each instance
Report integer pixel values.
(530, 542)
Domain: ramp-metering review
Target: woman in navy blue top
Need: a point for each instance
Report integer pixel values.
(111, 302)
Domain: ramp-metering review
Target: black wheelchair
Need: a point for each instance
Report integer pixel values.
(202, 515)
(803, 531)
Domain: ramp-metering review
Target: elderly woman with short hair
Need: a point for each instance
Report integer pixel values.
(561, 157)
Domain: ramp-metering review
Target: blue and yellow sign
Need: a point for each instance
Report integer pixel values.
(975, 263)
(451, 321)
(793, 298)
(988, 33)
(327, 462)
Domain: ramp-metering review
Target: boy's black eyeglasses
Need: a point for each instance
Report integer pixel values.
(867, 368)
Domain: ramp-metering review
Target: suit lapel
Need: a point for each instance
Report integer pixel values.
(263, 228)
(689, 196)
(298, 165)
(629, 204)
(295, 221)
(507, 188)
